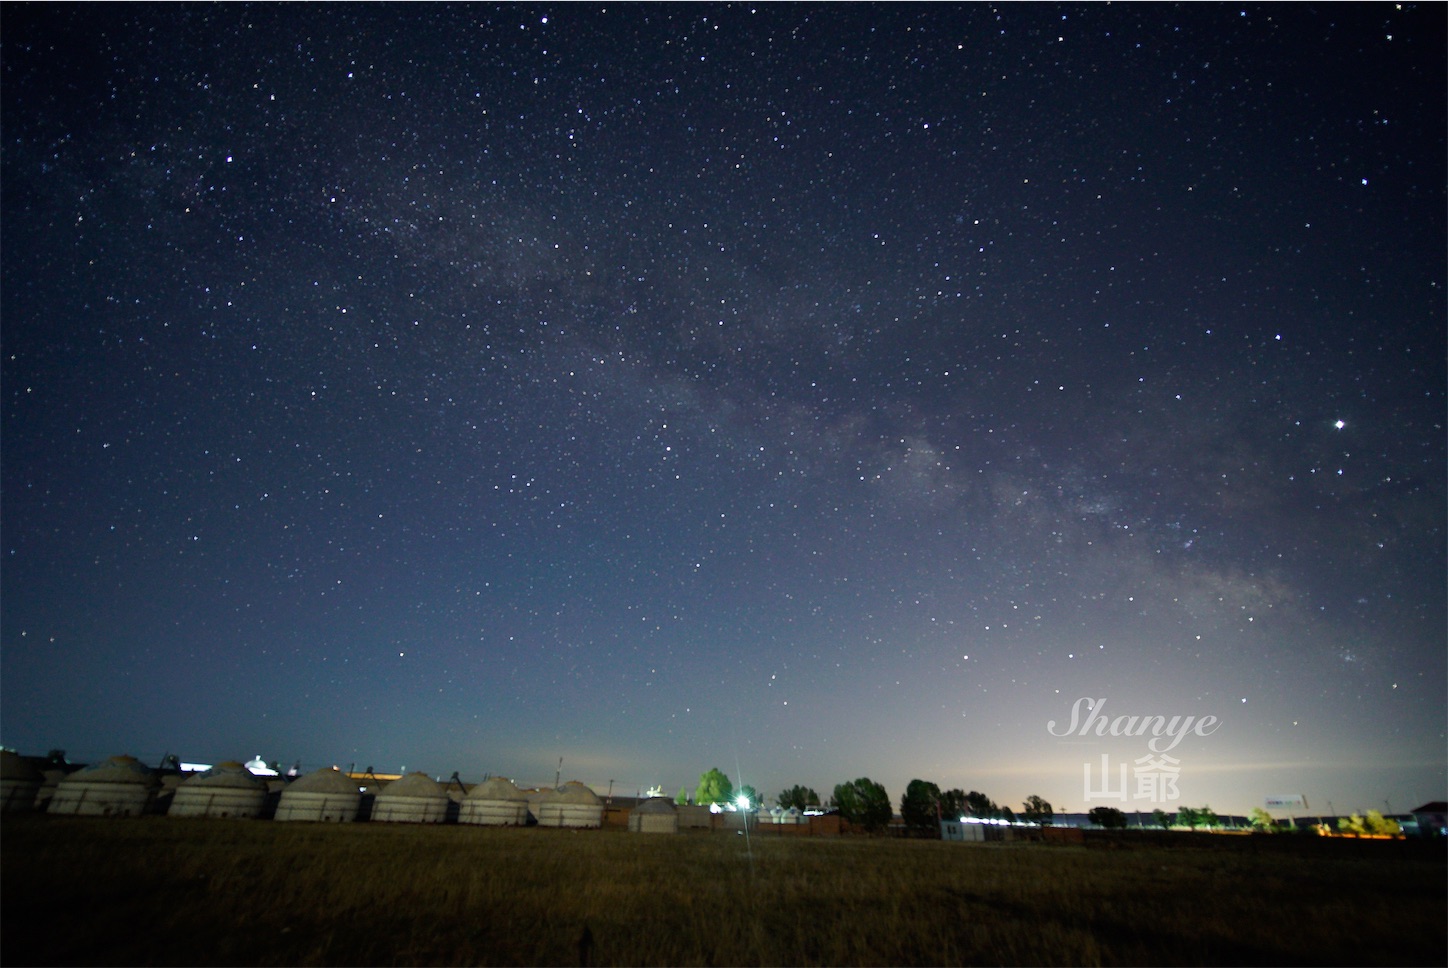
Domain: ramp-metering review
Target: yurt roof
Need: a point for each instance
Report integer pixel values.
(418, 785)
(497, 788)
(573, 792)
(13, 766)
(325, 781)
(230, 774)
(117, 769)
(656, 805)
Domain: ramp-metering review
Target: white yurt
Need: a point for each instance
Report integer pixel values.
(571, 805)
(226, 790)
(118, 787)
(52, 775)
(656, 815)
(414, 798)
(782, 815)
(325, 795)
(496, 802)
(19, 783)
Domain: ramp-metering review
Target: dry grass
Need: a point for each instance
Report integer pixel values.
(170, 891)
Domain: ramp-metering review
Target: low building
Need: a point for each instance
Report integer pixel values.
(496, 802)
(19, 783)
(328, 796)
(571, 805)
(656, 815)
(1432, 819)
(414, 798)
(227, 789)
(117, 787)
(783, 815)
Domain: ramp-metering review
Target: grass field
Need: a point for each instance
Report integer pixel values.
(168, 891)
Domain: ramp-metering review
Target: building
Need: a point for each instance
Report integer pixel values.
(117, 787)
(1432, 819)
(495, 802)
(414, 798)
(323, 795)
(19, 783)
(227, 789)
(656, 815)
(571, 805)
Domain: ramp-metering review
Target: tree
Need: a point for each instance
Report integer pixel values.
(1038, 811)
(865, 803)
(1378, 824)
(1108, 817)
(1262, 821)
(920, 805)
(714, 787)
(1208, 817)
(1373, 823)
(952, 804)
(1162, 818)
(683, 798)
(801, 798)
(1189, 817)
(980, 805)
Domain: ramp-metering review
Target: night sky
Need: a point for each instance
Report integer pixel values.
(813, 392)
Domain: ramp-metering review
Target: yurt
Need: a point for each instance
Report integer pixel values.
(19, 783)
(571, 805)
(414, 798)
(51, 777)
(495, 802)
(118, 787)
(226, 790)
(656, 815)
(780, 815)
(325, 795)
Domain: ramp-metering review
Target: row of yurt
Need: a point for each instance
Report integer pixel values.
(123, 786)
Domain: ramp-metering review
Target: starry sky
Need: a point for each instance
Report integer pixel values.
(808, 391)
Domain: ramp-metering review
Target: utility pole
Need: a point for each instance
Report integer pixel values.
(558, 776)
(610, 793)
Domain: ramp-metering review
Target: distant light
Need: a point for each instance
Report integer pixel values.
(742, 802)
(1339, 424)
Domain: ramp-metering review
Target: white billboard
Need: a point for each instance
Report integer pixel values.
(1287, 801)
